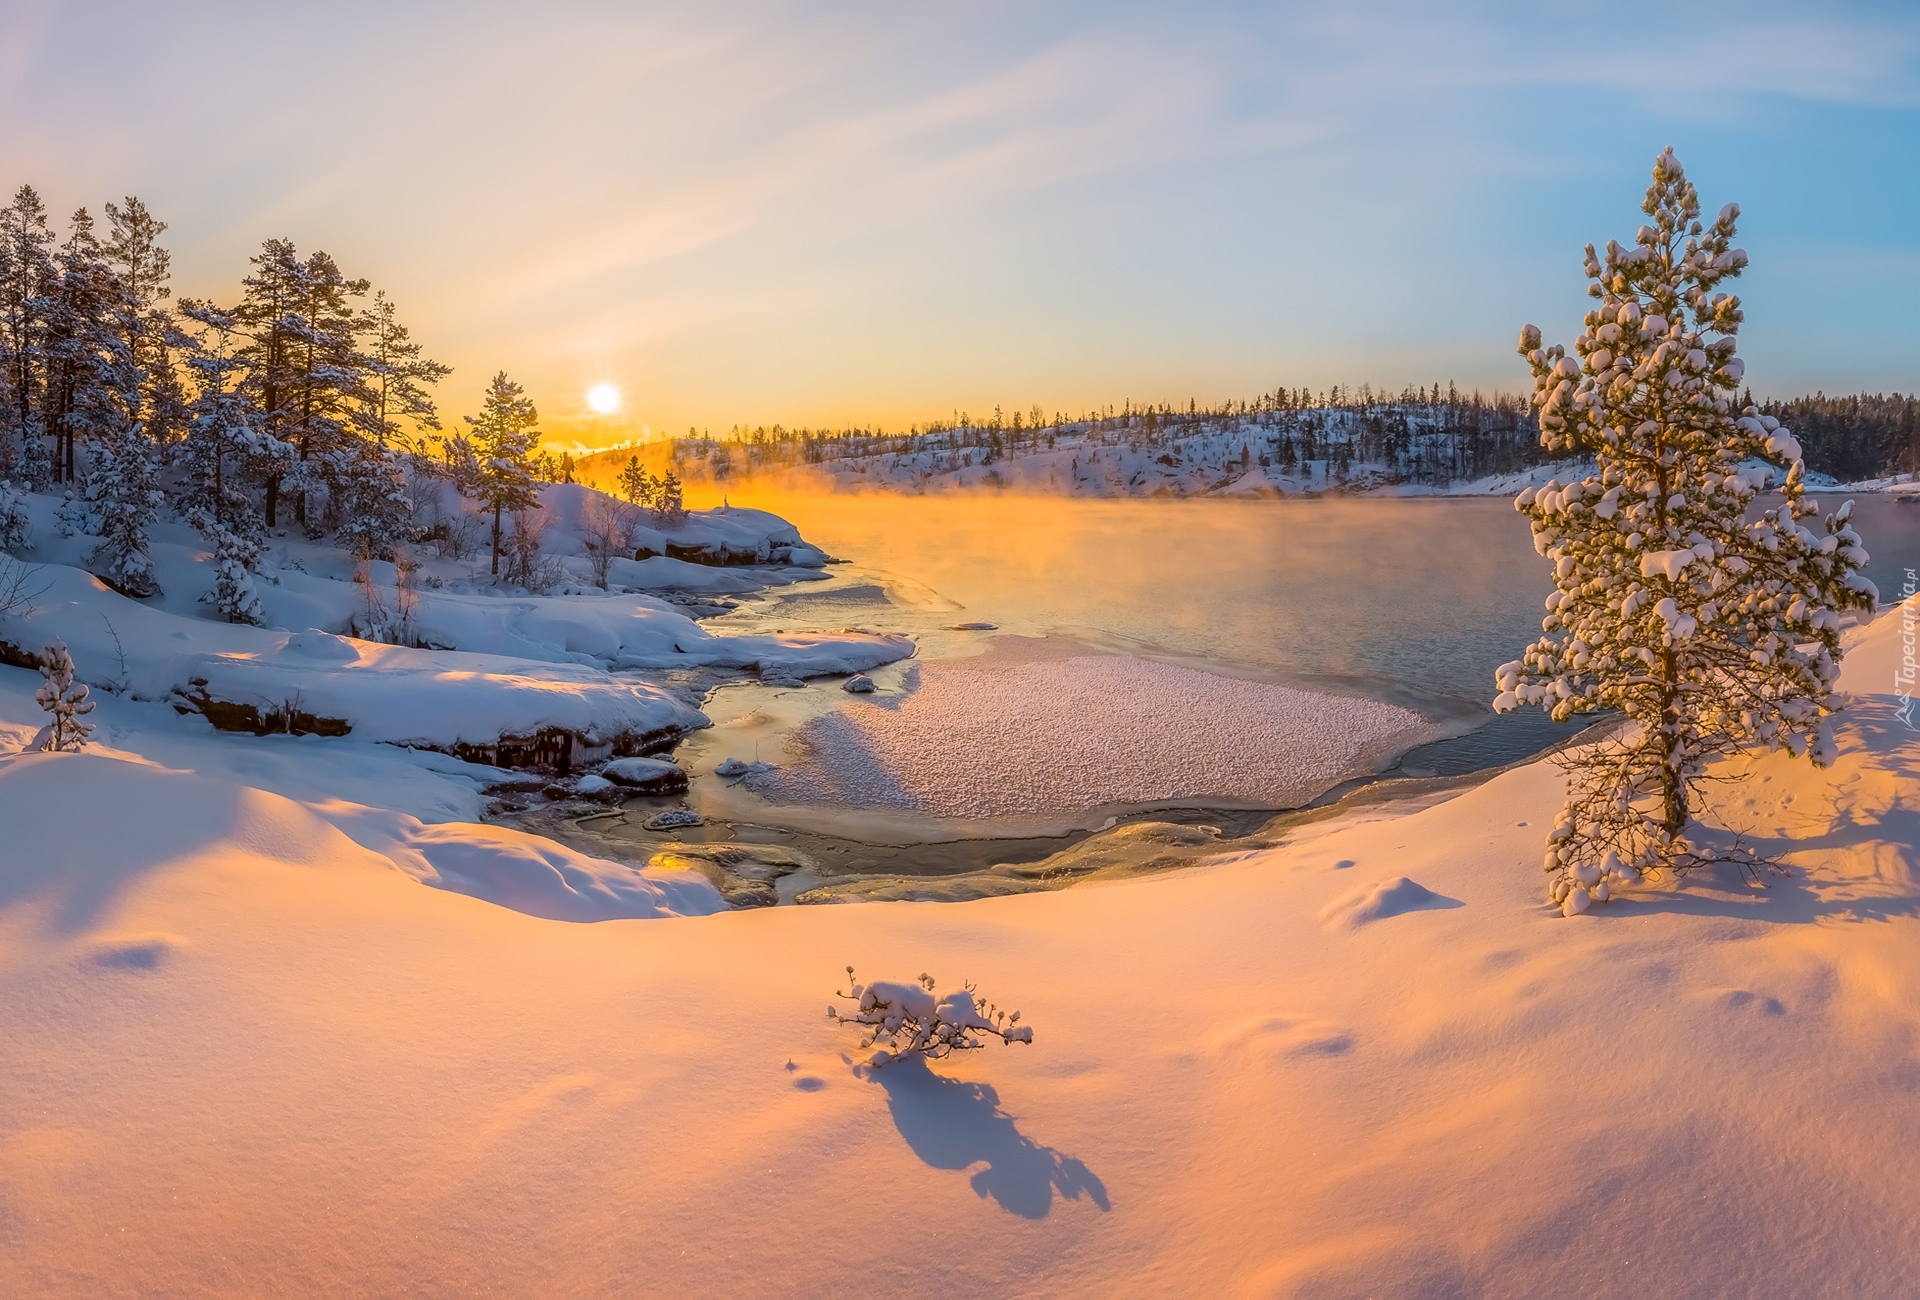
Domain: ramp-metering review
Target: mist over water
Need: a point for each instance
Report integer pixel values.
(1417, 593)
(1412, 599)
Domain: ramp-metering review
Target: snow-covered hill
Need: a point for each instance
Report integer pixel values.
(1282, 444)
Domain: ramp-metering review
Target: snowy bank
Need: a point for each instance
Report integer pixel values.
(495, 666)
(723, 535)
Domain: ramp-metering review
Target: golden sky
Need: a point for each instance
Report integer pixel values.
(838, 213)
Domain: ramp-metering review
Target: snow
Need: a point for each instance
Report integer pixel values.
(505, 665)
(1378, 902)
(1666, 564)
(241, 1051)
(1030, 732)
(521, 871)
(1256, 482)
(645, 773)
(263, 1031)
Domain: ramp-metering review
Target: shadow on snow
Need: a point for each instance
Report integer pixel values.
(953, 1124)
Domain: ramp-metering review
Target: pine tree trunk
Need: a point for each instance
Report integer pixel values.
(1673, 787)
(273, 499)
(496, 539)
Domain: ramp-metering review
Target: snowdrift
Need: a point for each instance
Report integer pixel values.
(69, 863)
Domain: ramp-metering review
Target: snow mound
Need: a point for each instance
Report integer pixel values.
(73, 861)
(663, 573)
(524, 872)
(442, 697)
(1378, 902)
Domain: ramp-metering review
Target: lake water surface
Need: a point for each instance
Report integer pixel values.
(1413, 601)
(1417, 600)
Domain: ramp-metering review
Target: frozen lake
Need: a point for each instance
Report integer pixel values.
(1415, 601)
(1266, 651)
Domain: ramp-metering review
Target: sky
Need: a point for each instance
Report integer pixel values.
(834, 214)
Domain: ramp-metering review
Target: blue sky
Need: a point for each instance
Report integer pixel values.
(831, 213)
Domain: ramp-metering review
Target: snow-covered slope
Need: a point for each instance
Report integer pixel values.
(242, 1049)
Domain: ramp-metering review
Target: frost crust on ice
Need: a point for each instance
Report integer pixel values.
(982, 739)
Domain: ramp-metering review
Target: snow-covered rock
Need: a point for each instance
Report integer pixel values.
(646, 775)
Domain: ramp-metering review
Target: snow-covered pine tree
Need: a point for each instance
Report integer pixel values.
(65, 700)
(504, 435)
(15, 527)
(223, 441)
(141, 267)
(376, 506)
(669, 511)
(397, 376)
(305, 370)
(369, 484)
(84, 348)
(233, 594)
(1712, 632)
(123, 490)
(637, 485)
(268, 321)
(27, 281)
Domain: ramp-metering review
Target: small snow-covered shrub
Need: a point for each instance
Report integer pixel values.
(907, 1017)
(75, 516)
(65, 699)
(14, 531)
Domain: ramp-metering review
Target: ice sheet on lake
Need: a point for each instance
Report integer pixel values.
(984, 738)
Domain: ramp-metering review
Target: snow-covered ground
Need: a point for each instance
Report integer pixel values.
(243, 1048)
(497, 661)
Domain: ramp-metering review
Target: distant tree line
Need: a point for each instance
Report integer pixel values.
(305, 396)
(1432, 435)
(1862, 436)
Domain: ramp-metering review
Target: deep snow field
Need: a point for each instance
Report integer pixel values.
(246, 1049)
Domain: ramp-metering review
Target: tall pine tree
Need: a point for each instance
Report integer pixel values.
(27, 283)
(305, 372)
(224, 444)
(1713, 626)
(142, 269)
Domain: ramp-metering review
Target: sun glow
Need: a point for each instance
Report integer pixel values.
(604, 399)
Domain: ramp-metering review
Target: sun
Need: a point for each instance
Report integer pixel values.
(603, 398)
